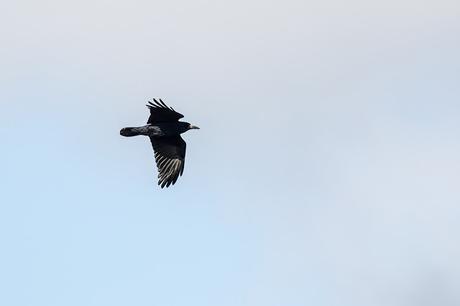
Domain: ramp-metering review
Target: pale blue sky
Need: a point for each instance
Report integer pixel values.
(325, 172)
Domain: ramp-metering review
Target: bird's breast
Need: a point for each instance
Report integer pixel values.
(162, 130)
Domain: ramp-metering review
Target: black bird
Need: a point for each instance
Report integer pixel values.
(164, 129)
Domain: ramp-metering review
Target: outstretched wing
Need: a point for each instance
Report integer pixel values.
(160, 112)
(170, 158)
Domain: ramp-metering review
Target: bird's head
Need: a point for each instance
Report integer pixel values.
(185, 126)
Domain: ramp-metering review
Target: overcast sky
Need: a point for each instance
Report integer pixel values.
(326, 171)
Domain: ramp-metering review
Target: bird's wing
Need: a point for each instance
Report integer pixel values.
(160, 112)
(170, 158)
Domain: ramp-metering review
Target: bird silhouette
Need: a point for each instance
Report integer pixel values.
(164, 129)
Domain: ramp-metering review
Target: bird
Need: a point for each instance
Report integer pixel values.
(164, 130)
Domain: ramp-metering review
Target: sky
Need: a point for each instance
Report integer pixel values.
(325, 171)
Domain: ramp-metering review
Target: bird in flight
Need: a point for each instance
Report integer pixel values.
(164, 129)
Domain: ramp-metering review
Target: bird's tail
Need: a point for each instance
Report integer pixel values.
(129, 131)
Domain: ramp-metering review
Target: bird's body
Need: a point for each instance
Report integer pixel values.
(164, 129)
(158, 129)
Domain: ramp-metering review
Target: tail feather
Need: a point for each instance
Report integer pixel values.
(129, 132)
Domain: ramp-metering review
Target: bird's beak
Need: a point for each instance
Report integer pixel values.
(194, 127)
